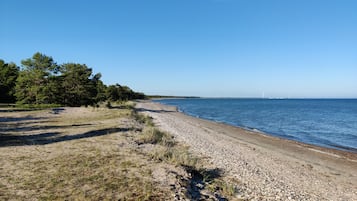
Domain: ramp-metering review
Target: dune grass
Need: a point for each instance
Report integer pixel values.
(95, 167)
(90, 154)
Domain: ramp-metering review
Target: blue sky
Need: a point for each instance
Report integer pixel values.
(212, 48)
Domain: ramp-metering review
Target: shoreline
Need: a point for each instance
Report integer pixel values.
(263, 163)
(348, 154)
(332, 148)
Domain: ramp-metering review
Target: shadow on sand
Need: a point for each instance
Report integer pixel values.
(18, 131)
(52, 137)
(198, 181)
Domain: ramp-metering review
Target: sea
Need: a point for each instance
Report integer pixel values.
(328, 123)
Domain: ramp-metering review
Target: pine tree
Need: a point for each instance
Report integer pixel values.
(36, 83)
(8, 75)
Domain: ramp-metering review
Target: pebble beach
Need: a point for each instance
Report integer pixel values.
(265, 167)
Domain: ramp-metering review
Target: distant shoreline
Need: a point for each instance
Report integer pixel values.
(243, 98)
(172, 97)
(256, 130)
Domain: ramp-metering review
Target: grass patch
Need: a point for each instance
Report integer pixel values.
(97, 115)
(129, 105)
(105, 167)
(105, 176)
(153, 135)
(176, 155)
(37, 106)
(169, 151)
(142, 119)
(226, 189)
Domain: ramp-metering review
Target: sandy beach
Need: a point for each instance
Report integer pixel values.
(265, 167)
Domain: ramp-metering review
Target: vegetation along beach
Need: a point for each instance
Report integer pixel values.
(178, 100)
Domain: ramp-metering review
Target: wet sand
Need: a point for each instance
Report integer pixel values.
(265, 167)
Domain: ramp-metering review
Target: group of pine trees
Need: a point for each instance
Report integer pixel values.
(41, 80)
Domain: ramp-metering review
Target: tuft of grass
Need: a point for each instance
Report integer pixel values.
(178, 156)
(153, 135)
(142, 119)
(226, 189)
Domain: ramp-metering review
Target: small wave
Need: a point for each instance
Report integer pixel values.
(257, 130)
(250, 129)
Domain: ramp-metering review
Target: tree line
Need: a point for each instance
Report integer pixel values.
(40, 80)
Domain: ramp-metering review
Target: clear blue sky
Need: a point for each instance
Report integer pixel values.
(214, 48)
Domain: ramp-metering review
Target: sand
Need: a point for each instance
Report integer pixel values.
(265, 167)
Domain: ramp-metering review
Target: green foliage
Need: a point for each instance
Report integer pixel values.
(78, 85)
(153, 135)
(36, 83)
(122, 93)
(42, 63)
(42, 81)
(40, 106)
(101, 90)
(8, 75)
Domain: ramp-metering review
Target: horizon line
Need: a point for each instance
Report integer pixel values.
(237, 97)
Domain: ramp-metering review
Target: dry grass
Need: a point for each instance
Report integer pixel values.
(104, 175)
(153, 135)
(143, 119)
(179, 156)
(227, 189)
(90, 154)
(95, 166)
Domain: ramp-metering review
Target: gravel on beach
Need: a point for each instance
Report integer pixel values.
(266, 168)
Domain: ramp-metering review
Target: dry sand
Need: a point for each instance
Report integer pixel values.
(267, 168)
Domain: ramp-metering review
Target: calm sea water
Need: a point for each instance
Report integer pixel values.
(324, 122)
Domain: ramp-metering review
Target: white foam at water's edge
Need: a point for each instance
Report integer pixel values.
(258, 131)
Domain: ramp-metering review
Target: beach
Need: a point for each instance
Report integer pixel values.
(265, 167)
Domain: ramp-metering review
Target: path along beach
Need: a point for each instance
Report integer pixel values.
(266, 167)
